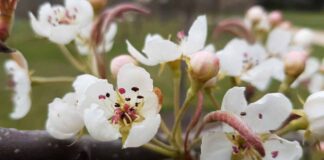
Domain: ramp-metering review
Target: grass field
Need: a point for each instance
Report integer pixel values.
(46, 60)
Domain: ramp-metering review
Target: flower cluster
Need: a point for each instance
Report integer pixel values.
(266, 47)
(107, 114)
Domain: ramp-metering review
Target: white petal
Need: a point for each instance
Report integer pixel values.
(280, 149)
(22, 88)
(64, 116)
(314, 109)
(162, 51)
(130, 76)
(110, 35)
(278, 41)
(85, 11)
(231, 57)
(234, 100)
(82, 82)
(260, 114)
(98, 125)
(63, 34)
(101, 93)
(215, 145)
(210, 48)
(44, 11)
(22, 104)
(260, 76)
(56, 133)
(138, 55)
(40, 28)
(196, 38)
(146, 129)
(316, 84)
(151, 104)
(151, 37)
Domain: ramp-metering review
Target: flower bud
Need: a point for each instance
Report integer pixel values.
(275, 17)
(119, 61)
(304, 37)
(204, 66)
(255, 13)
(98, 5)
(295, 62)
(314, 109)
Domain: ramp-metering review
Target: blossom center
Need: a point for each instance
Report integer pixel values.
(62, 16)
(248, 61)
(127, 108)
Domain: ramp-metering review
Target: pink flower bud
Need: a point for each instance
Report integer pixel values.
(204, 66)
(117, 62)
(295, 63)
(181, 35)
(255, 13)
(275, 17)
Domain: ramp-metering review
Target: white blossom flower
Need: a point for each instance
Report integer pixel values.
(83, 42)
(249, 62)
(61, 24)
(21, 85)
(64, 120)
(127, 113)
(314, 109)
(158, 50)
(259, 116)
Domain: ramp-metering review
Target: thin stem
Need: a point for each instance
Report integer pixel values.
(211, 96)
(165, 129)
(51, 79)
(68, 55)
(162, 144)
(189, 98)
(176, 91)
(160, 150)
(285, 85)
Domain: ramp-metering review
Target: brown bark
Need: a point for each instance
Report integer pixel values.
(39, 145)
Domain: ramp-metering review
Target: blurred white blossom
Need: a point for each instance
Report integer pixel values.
(61, 24)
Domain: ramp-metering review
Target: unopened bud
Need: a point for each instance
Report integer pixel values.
(255, 13)
(98, 5)
(204, 66)
(304, 37)
(295, 62)
(119, 61)
(275, 17)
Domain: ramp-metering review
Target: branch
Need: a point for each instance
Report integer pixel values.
(39, 145)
